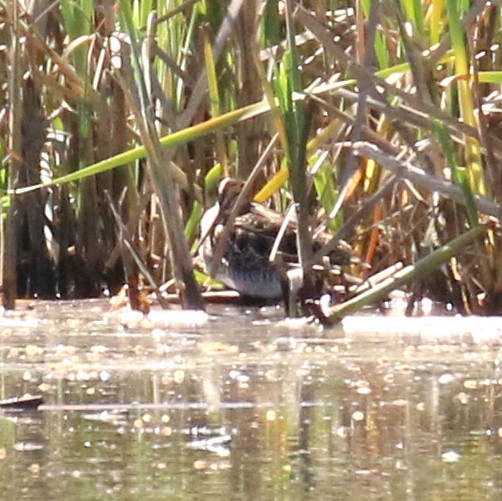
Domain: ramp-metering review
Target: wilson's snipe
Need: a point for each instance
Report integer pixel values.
(245, 261)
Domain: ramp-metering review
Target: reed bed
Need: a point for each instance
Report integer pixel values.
(380, 119)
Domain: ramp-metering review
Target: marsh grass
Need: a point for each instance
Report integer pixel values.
(387, 116)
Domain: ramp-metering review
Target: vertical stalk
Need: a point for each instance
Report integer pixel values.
(297, 124)
(161, 178)
(9, 262)
(472, 154)
(214, 95)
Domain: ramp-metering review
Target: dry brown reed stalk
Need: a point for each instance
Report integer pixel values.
(135, 85)
(250, 135)
(9, 258)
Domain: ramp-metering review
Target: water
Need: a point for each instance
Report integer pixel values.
(244, 408)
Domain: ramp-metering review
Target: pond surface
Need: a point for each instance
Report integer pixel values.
(245, 408)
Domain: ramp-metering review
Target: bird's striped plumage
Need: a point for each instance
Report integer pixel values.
(245, 264)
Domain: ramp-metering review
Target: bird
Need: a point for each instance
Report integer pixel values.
(244, 263)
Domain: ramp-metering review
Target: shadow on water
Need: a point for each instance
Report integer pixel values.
(243, 408)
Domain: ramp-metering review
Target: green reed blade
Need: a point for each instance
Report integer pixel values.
(458, 173)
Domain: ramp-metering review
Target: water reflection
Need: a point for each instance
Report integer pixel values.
(244, 409)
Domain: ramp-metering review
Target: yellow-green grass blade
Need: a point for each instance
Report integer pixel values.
(436, 20)
(466, 99)
(172, 140)
(214, 96)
